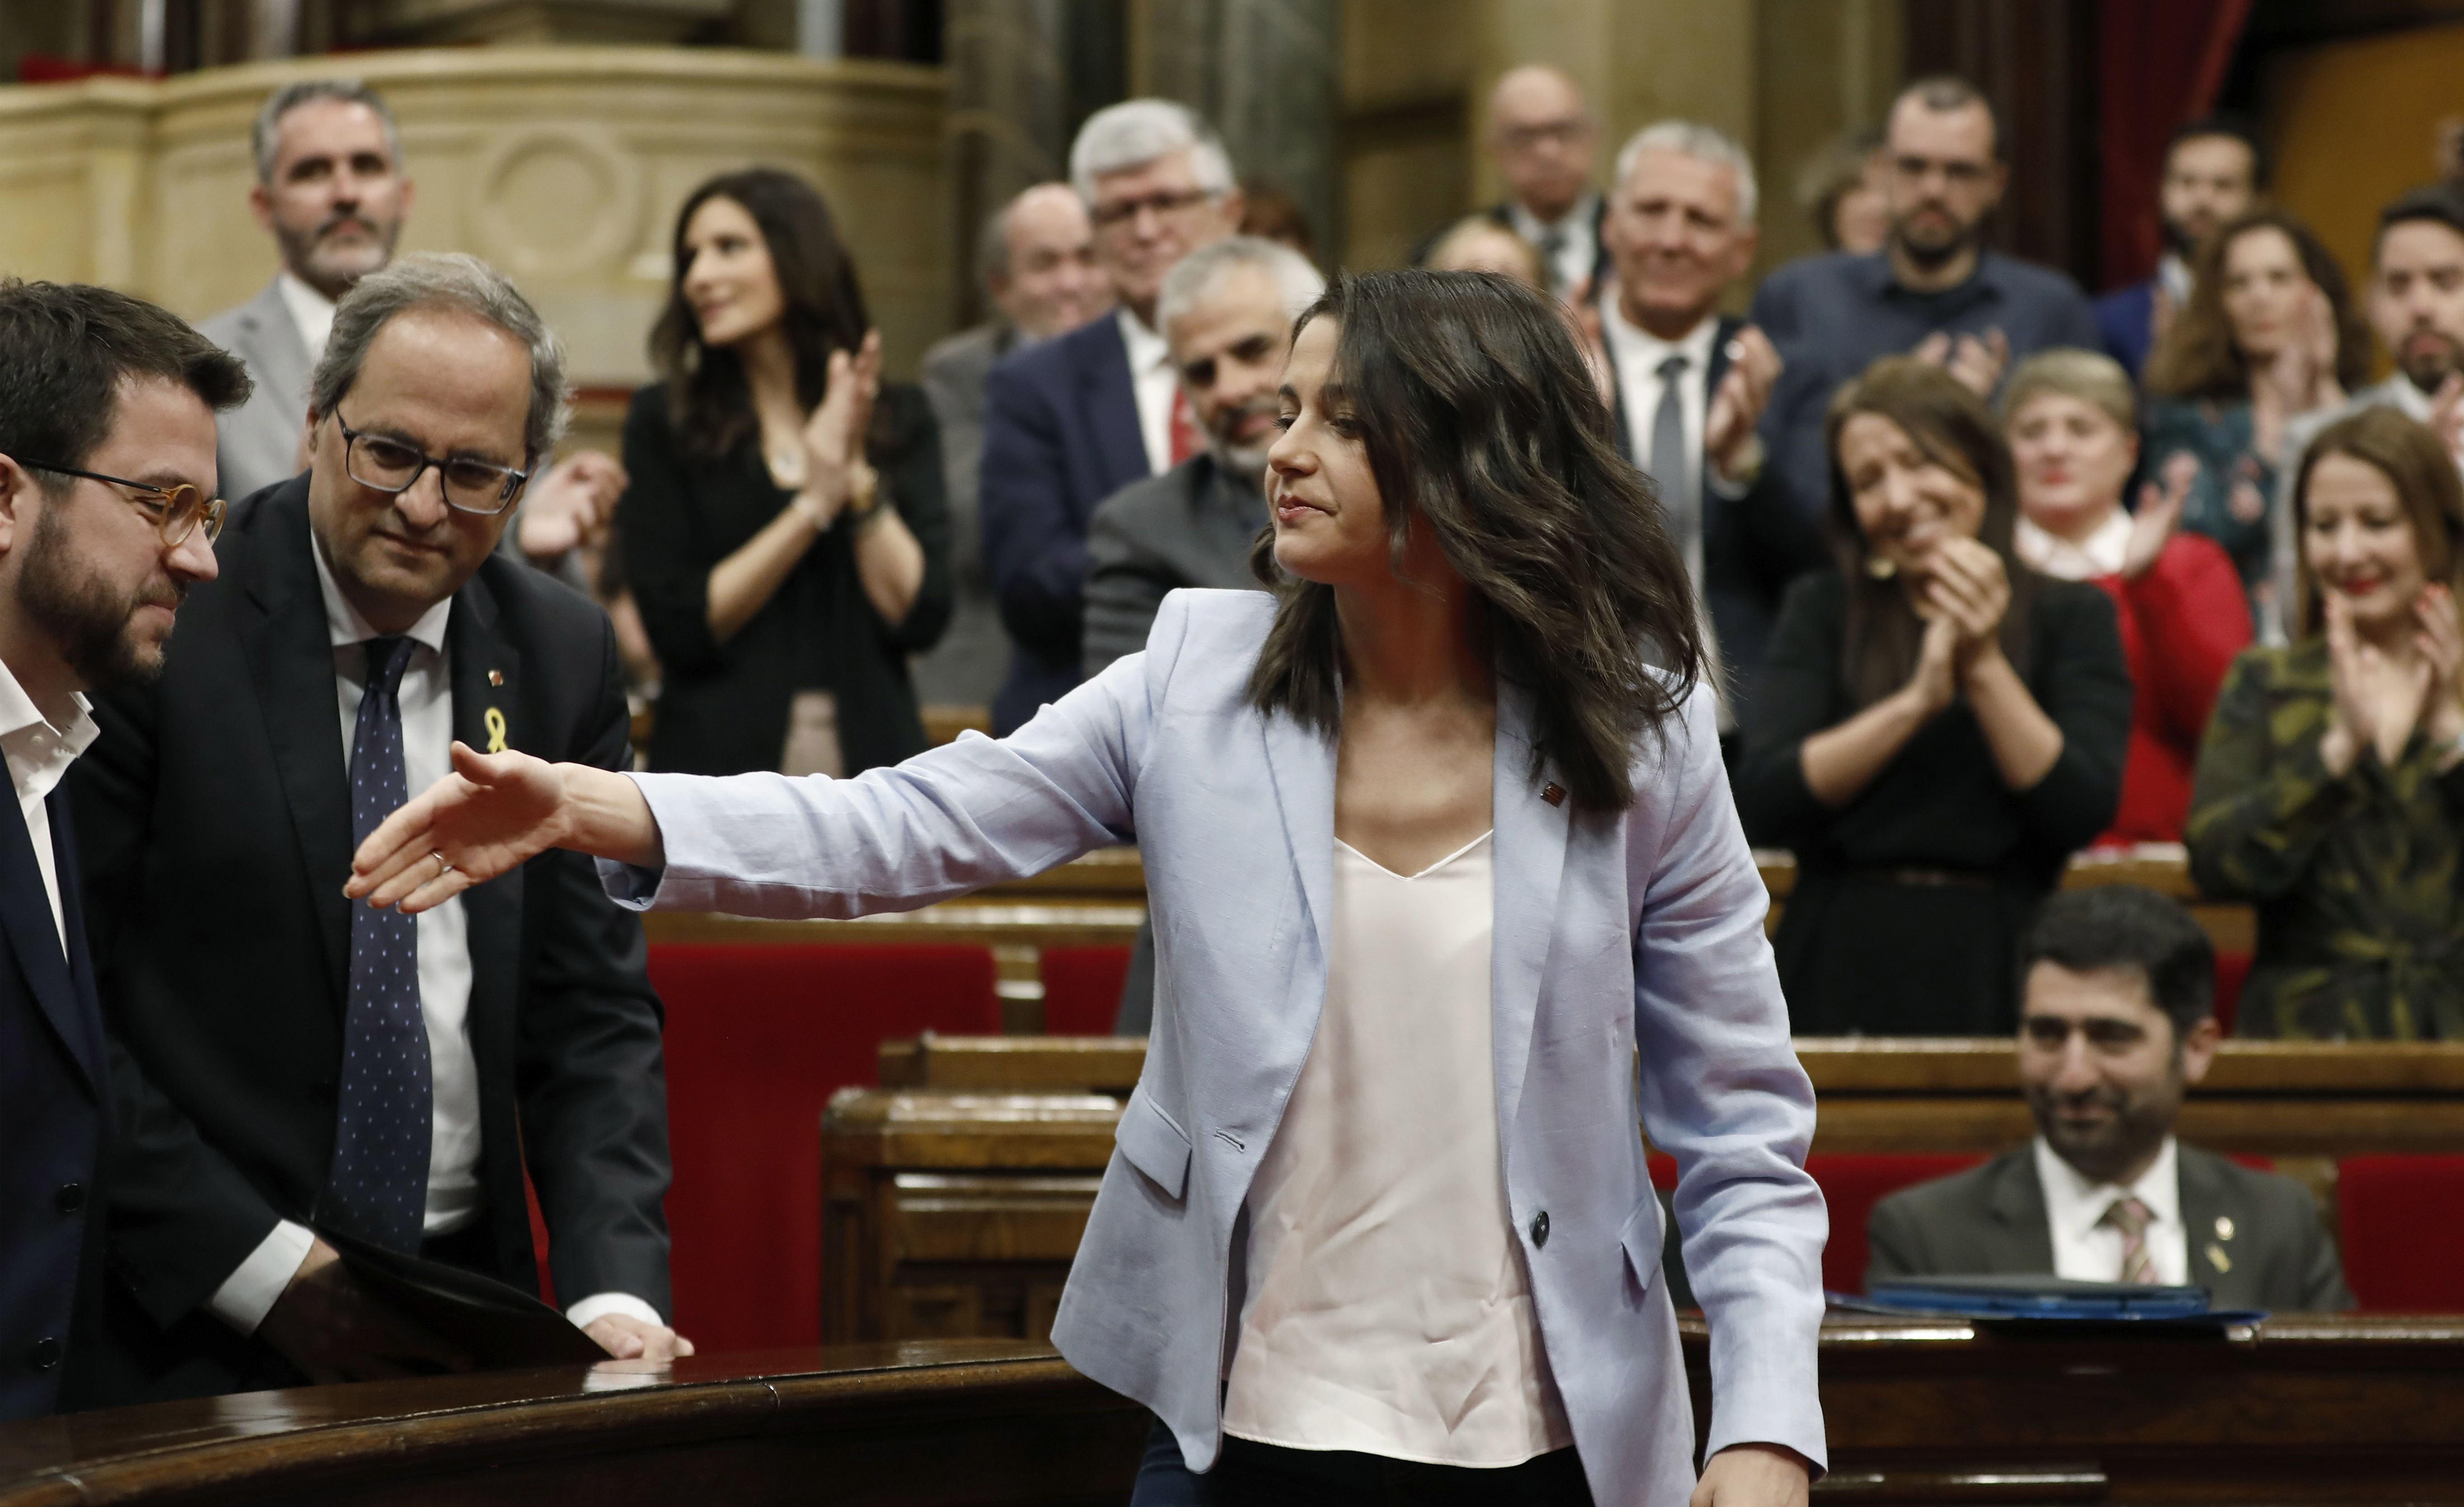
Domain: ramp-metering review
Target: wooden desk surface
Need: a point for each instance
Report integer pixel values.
(2299, 1410)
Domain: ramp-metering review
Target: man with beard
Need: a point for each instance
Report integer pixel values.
(2117, 984)
(1933, 290)
(292, 1067)
(2417, 305)
(331, 191)
(107, 516)
(1227, 311)
(2213, 170)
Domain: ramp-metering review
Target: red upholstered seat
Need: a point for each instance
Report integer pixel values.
(1082, 989)
(1852, 1185)
(2232, 971)
(2401, 1222)
(758, 1039)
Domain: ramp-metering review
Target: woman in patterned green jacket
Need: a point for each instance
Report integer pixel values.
(2330, 788)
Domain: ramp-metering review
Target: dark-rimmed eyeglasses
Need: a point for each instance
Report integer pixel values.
(388, 465)
(176, 510)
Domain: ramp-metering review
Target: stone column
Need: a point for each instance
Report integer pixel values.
(1267, 73)
(1011, 117)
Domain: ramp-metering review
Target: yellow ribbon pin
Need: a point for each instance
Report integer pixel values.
(496, 731)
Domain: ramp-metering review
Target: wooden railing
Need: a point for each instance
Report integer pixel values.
(2300, 1410)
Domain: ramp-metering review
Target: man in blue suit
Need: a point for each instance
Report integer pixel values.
(1073, 420)
(106, 479)
(2213, 170)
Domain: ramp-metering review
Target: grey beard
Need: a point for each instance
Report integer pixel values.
(1245, 461)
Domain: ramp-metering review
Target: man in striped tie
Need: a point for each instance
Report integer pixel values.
(2116, 1022)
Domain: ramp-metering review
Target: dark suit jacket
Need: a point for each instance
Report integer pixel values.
(215, 821)
(1192, 526)
(1990, 1221)
(1502, 212)
(54, 1091)
(1061, 434)
(2126, 320)
(1752, 546)
(723, 708)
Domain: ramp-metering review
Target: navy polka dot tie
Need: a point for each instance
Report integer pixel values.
(378, 1188)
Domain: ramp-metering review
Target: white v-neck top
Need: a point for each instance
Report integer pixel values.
(1388, 1310)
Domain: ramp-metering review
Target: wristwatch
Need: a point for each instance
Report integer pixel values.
(864, 494)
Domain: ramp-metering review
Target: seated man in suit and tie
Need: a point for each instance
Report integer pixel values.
(1073, 420)
(2116, 1021)
(332, 190)
(289, 1063)
(1690, 385)
(107, 517)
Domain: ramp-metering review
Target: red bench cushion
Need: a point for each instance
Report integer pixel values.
(1082, 989)
(2402, 1222)
(758, 1036)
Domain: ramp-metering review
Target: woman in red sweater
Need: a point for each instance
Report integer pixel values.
(2072, 425)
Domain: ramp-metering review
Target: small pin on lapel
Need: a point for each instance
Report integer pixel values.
(2224, 1227)
(1554, 794)
(495, 677)
(496, 724)
(2217, 1258)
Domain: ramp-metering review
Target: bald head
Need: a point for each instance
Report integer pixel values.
(1041, 266)
(1541, 131)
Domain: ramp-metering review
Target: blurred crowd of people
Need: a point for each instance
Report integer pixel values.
(1990, 571)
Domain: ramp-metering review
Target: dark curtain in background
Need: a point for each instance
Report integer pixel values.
(2161, 64)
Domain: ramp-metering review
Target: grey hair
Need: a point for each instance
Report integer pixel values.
(1197, 275)
(1704, 144)
(1138, 131)
(456, 281)
(265, 135)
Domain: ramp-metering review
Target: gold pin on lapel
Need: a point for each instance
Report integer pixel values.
(1554, 794)
(495, 677)
(2224, 1227)
(496, 731)
(2217, 1258)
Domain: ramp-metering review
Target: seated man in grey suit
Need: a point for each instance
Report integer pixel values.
(330, 190)
(2116, 985)
(1226, 314)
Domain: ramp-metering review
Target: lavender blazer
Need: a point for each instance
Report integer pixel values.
(1618, 936)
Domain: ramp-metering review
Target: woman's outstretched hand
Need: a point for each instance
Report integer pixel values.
(494, 812)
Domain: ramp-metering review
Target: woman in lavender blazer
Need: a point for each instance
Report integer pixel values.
(1473, 595)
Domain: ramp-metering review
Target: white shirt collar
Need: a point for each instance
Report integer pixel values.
(2049, 553)
(30, 739)
(2074, 1205)
(1575, 222)
(310, 310)
(2174, 275)
(2399, 391)
(1638, 348)
(1147, 349)
(343, 624)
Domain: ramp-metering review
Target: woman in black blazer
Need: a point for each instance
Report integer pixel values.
(785, 529)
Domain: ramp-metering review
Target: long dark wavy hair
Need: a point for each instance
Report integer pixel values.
(1952, 427)
(1483, 425)
(2198, 358)
(708, 402)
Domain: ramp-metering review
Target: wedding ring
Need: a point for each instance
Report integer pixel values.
(444, 865)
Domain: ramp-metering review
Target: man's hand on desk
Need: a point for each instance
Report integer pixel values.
(328, 1327)
(628, 1339)
(1753, 1476)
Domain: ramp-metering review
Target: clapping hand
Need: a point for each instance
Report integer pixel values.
(833, 436)
(1977, 361)
(1737, 407)
(571, 504)
(2159, 515)
(2379, 697)
(1972, 591)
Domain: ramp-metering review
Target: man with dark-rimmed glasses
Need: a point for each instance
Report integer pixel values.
(107, 517)
(302, 1072)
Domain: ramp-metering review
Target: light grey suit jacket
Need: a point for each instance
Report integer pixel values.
(2255, 1238)
(1639, 933)
(260, 438)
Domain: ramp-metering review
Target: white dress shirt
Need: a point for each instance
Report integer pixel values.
(455, 1196)
(2048, 554)
(1578, 248)
(310, 310)
(1388, 1308)
(1154, 382)
(2087, 1250)
(39, 754)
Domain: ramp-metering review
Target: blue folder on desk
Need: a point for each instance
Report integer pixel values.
(2049, 1298)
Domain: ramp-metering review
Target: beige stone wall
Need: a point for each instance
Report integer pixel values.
(562, 165)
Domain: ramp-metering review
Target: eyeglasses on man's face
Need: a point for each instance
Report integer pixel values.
(177, 509)
(383, 464)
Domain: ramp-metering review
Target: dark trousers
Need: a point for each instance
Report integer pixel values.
(1251, 1474)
